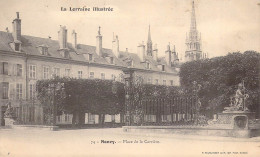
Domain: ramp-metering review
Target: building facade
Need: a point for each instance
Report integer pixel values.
(26, 59)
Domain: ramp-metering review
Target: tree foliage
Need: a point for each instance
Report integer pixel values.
(83, 95)
(220, 76)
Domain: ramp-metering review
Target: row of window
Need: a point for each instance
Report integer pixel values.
(5, 69)
(15, 91)
(149, 81)
(56, 72)
(17, 70)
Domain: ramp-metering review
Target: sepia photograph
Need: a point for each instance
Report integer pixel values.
(130, 78)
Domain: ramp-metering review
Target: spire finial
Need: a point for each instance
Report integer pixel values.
(149, 35)
(168, 47)
(17, 15)
(99, 30)
(193, 18)
(113, 36)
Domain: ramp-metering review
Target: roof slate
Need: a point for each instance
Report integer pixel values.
(30, 44)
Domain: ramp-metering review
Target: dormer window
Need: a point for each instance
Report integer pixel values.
(66, 54)
(163, 67)
(130, 63)
(43, 49)
(111, 60)
(17, 46)
(88, 56)
(148, 65)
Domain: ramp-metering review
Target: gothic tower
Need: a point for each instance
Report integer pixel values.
(193, 40)
(149, 44)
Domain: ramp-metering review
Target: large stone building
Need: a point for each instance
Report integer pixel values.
(26, 59)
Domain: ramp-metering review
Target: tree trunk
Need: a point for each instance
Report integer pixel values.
(103, 119)
(100, 119)
(82, 118)
(75, 118)
(122, 118)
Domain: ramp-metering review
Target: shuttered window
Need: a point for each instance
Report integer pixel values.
(4, 68)
(32, 71)
(164, 82)
(57, 72)
(79, 74)
(19, 70)
(5, 88)
(103, 76)
(32, 91)
(91, 75)
(19, 91)
(67, 72)
(45, 72)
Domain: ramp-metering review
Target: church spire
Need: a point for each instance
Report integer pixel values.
(149, 44)
(149, 35)
(193, 25)
(193, 41)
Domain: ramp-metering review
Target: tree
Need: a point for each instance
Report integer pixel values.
(85, 96)
(220, 76)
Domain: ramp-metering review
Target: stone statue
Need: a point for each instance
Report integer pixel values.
(239, 97)
(237, 102)
(9, 113)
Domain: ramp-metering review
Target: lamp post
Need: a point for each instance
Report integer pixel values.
(128, 96)
(195, 91)
(55, 87)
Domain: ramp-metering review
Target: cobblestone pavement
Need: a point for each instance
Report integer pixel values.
(115, 142)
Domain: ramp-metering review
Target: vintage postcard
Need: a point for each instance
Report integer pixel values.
(130, 78)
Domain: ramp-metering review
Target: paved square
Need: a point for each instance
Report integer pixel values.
(115, 142)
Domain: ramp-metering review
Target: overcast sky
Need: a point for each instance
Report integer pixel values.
(225, 25)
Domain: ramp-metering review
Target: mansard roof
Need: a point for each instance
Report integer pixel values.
(30, 44)
(138, 64)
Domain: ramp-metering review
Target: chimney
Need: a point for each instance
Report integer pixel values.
(168, 55)
(74, 39)
(115, 46)
(155, 53)
(141, 51)
(17, 28)
(99, 43)
(174, 55)
(62, 37)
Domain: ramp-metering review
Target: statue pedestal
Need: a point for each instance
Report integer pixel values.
(235, 119)
(9, 121)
